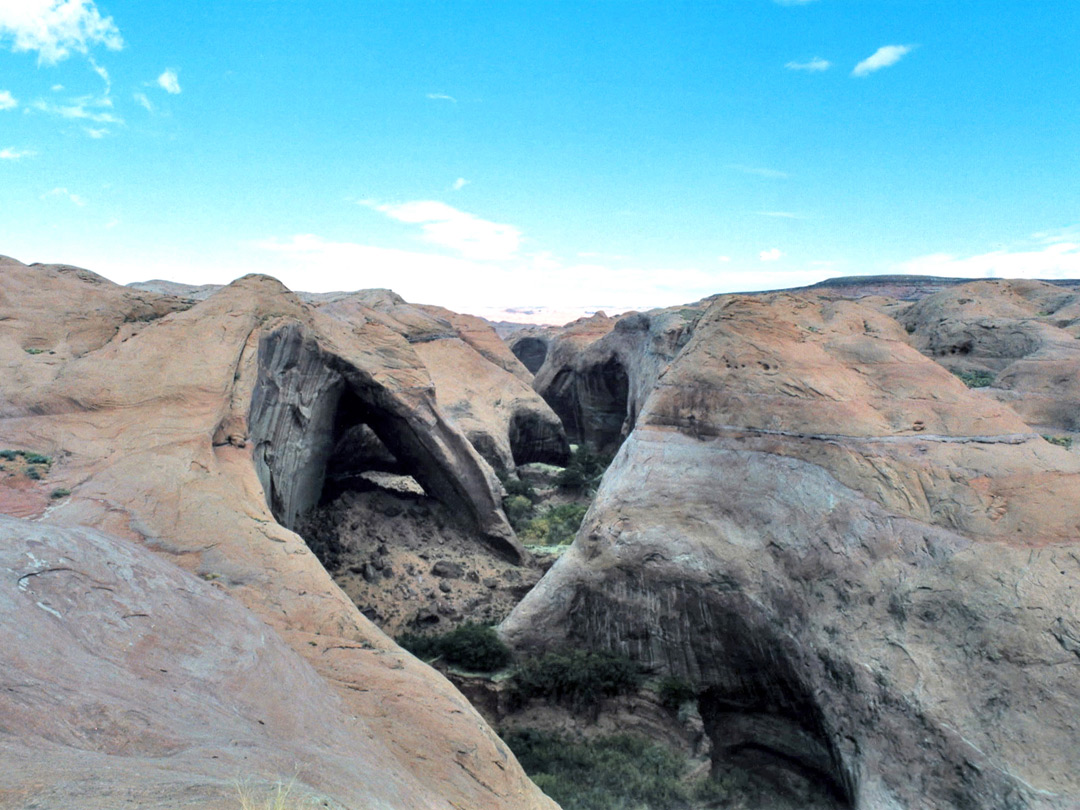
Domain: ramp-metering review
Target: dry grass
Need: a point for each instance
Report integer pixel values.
(275, 798)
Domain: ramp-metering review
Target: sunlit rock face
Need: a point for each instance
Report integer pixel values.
(869, 571)
(1021, 336)
(163, 416)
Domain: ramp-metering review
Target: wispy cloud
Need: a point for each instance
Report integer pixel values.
(143, 101)
(771, 255)
(723, 259)
(883, 57)
(780, 214)
(96, 133)
(169, 82)
(84, 108)
(7, 101)
(773, 174)
(441, 97)
(63, 192)
(815, 65)
(1050, 260)
(56, 28)
(16, 154)
(460, 183)
(554, 290)
(472, 237)
(103, 73)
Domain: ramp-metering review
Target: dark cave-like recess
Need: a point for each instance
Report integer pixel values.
(532, 352)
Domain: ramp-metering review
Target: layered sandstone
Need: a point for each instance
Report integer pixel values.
(868, 570)
(193, 430)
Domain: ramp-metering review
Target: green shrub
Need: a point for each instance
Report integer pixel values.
(584, 470)
(976, 379)
(34, 474)
(517, 486)
(36, 458)
(518, 510)
(556, 527)
(577, 678)
(424, 646)
(34, 351)
(8, 455)
(1060, 441)
(620, 772)
(60, 492)
(475, 647)
(674, 691)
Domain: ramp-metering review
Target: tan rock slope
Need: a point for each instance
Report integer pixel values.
(1022, 333)
(143, 403)
(869, 572)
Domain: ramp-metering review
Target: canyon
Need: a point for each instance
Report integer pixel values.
(226, 499)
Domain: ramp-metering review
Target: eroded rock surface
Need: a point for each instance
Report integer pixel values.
(869, 571)
(1022, 334)
(147, 426)
(599, 370)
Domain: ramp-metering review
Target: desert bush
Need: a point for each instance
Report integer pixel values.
(475, 647)
(8, 455)
(517, 486)
(620, 772)
(976, 379)
(584, 470)
(674, 691)
(60, 492)
(1060, 441)
(518, 510)
(34, 474)
(577, 678)
(557, 526)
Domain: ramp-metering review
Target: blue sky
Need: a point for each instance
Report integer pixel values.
(549, 156)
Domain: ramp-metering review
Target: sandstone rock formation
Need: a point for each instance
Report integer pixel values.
(599, 370)
(191, 430)
(869, 571)
(1023, 333)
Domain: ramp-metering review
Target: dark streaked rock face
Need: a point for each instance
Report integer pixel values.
(865, 567)
(306, 400)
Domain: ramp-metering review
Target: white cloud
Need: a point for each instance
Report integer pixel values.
(55, 28)
(772, 174)
(460, 183)
(84, 108)
(96, 132)
(780, 214)
(551, 289)
(15, 154)
(143, 101)
(63, 192)
(56, 88)
(724, 259)
(7, 101)
(472, 237)
(441, 97)
(1059, 259)
(100, 71)
(815, 65)
(771, 255)
(881, 58)
(169, 82)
